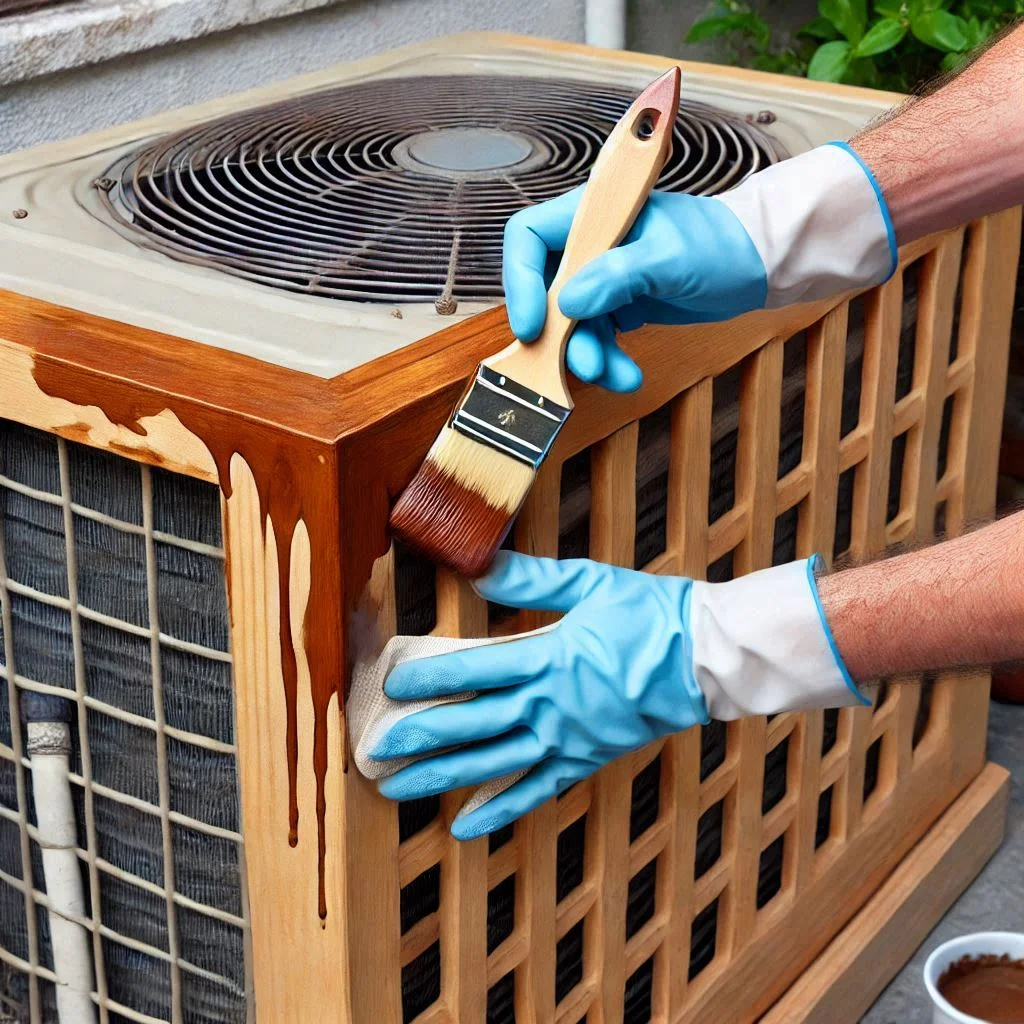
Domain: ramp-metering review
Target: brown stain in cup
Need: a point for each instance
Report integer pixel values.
(988, 987)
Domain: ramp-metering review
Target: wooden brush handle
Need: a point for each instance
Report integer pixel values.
(620, 181)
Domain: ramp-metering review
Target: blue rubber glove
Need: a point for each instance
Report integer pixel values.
(807, 228)
(613, 676)
(635, 657)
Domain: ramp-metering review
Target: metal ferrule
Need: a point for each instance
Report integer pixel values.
(509, 417)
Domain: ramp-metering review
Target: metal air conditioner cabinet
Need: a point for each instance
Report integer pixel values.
(228, 336)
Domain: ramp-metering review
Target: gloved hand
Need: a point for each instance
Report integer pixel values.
(806, 228)
(635, 657)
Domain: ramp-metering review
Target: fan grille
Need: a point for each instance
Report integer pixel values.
(394, 190)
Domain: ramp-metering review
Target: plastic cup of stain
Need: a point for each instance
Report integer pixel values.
(978, 973)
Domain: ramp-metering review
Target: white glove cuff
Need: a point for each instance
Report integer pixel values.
(819, 223)
(761, 645)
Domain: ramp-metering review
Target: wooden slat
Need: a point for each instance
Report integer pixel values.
(421, 851)
(908, 411)
(778, 819)
(878, 388)
(462, 612)
(908, 699)
(823, 409)
(718, 784)
(959, 374)
(756, 469)
(612, 538)
(985, 318)
(936, 294)
(854, 448)
(870, 501)
(642, 946)
(574, 804)
(689, 475)
(503, 863)
(711, 884)
(779, 728)
(536, 533)
(575, 907)
(793, 488)
(726, 532)
(420, 937)
(989, 281)
(507, 957)
(574, 1007)
(650, 844)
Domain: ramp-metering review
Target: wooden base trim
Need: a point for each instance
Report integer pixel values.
(857, 965)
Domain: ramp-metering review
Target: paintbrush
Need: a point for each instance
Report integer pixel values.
(460, 505)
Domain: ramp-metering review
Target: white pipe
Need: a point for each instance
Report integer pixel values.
(49, 748)
(605, 24)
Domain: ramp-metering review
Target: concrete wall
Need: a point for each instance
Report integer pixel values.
(71, 102)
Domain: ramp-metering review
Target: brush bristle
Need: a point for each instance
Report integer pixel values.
(461, 503)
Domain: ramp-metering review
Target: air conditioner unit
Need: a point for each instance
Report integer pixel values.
(228, 335)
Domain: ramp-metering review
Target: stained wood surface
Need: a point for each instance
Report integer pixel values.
(284, 983)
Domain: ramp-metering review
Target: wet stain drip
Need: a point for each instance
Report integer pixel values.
(296, 480)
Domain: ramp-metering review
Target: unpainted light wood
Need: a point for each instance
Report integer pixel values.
(855, 967)
(370, 826)
(823, 409)
(619, 183)
(612, 536)
(756, 470)
(283, 982)
(988, 285)
(826, 345)
(164, 440)
(536, 533)
(870, 500)
(415, 388)
(878, 389)
(936, 297)
(462, 612)
(985, 317)
(759, 972)
(687, 536)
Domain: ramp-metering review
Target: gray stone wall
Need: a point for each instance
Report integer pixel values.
(71, 102)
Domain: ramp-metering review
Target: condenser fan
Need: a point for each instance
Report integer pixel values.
(395, 190)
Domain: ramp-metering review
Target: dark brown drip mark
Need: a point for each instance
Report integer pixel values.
(295, 480)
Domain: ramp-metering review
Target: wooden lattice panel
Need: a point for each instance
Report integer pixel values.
(709, 869)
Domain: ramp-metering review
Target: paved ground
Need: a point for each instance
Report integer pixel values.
(995, 902)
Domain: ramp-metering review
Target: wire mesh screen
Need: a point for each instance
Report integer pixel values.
(832, 440)
(114, 601)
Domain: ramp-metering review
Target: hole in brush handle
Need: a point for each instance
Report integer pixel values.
(646, 124)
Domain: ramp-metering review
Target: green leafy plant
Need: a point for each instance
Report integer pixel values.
(749, 39)
(890, 44)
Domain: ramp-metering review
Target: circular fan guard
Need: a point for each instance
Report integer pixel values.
(395, 190)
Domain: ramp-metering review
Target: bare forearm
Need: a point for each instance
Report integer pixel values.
(954, 604)
(958, 153)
